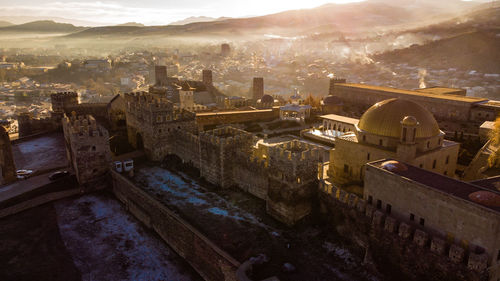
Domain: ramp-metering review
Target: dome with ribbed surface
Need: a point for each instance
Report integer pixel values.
(267, 99)
(384, 119)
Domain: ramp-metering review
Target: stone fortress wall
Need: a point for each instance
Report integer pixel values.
(211, 262)
(415, 251)
(292, 173)
(286, 176)
(87, 147)
(151, 123)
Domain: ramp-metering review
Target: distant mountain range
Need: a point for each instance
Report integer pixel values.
(46, 26)
(5, 23)
(131, 24)
(371, 15)
(477, 50)
(197, 19)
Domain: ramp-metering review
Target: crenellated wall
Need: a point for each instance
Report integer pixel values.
(87, 147)
(396, 244)
(293, 174)
(219, 151)
(151, 123)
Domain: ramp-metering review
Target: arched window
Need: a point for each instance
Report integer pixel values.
(434, 164)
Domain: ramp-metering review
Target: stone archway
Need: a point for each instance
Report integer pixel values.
(139, 142)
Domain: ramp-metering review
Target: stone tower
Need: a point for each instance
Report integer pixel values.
(225, 49)
(62, 100)
(6, 158)
(333, 81)
(207, 77)
(258, 88)
(87, 147)
(160, 75)
(186, 96)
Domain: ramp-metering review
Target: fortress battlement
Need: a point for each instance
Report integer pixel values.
(469, 256)
(83, 126)
(295, 150)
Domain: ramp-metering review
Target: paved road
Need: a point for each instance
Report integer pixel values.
(22, 186)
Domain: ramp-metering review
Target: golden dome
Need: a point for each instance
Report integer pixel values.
(409, 121)
(384, 119)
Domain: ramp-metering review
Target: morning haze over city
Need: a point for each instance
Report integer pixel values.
(250, 140)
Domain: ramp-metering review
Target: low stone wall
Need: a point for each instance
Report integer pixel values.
(416, 252)
(205, 257)
(37, 201)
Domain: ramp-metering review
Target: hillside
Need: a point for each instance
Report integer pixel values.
(131, 24)
(353, 17)
(45, 26)
(477, 50)
(5, 23)
(197, 19)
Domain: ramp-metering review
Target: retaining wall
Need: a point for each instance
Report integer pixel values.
(211, 262)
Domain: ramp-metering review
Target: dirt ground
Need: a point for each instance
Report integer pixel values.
(40, 153)
(91, 237)
(31, 248)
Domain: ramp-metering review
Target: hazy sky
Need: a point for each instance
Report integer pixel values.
(151, 11)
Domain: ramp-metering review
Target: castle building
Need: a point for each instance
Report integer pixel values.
(446, 104)
(394, 128)
(7, 166)
(331, 105)
(62, 100)
(465, 215)
(186, 97)
(151, 122)
(293, 180)
(87, 148)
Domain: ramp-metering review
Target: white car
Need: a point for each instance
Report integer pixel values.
(23, 174)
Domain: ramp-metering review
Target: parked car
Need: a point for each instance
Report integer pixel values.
(23, 174)
(58, 175)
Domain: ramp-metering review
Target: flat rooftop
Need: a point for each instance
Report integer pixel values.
(340, 118)
(233, 112)
(491, 104)
(413, 93)
(43, 152)
(453, 187)
(492, 183)
(443, 91)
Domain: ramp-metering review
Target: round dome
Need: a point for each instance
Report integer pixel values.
(486, 198)
(267, 99)
(384, 119)
(409, 121)
(332, 100)
(394, 166)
